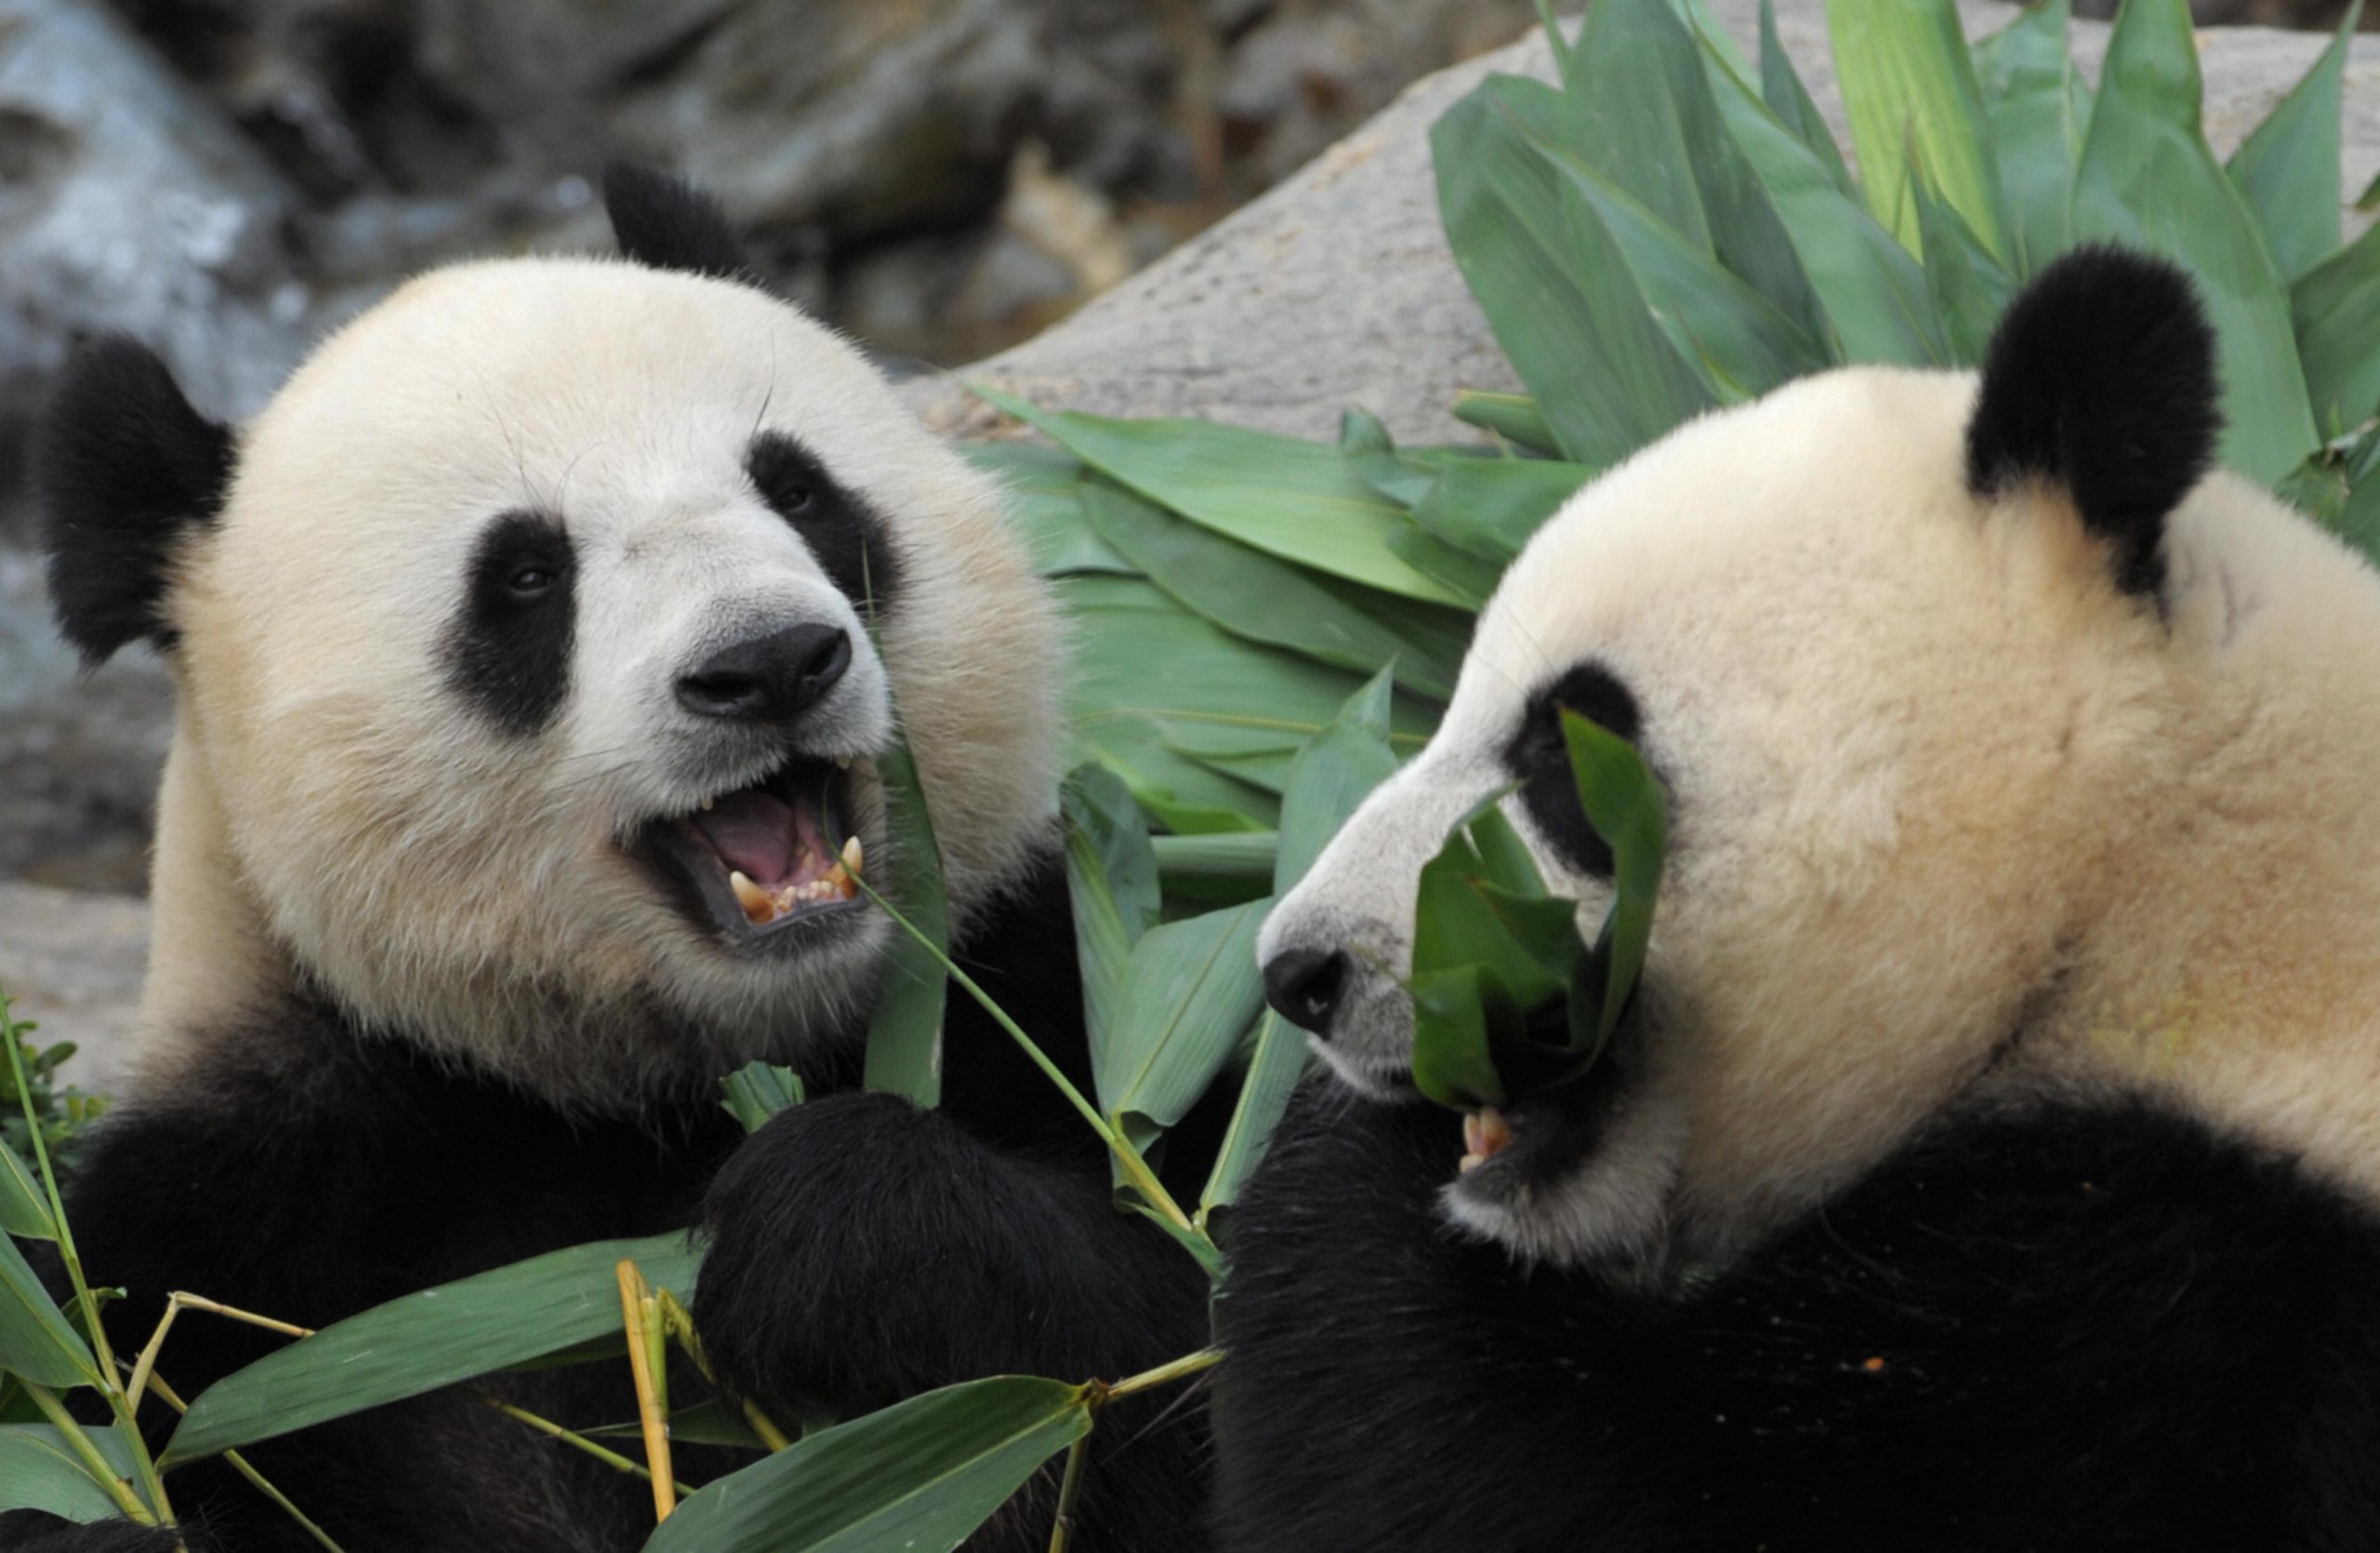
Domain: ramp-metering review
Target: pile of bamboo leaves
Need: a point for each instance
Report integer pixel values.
(1263, 627)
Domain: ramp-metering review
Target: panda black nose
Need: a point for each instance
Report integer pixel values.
(768, 679)
(1304, 984)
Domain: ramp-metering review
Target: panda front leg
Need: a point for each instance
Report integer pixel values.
(862, 1250)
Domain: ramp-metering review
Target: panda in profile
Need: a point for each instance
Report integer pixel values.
(527, 708)
(1990, 1159)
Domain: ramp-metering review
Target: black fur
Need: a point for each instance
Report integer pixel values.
(2101, 379)
(31, 1532)
(2072, 1330)
(125, 469)
(1539, 758)
(509, 648)
(843, 533)
(670, 224)
(314, 1193)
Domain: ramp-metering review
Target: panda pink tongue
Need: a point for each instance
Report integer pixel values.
(758, 835)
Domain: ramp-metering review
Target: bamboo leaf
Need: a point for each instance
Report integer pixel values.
(2335, 310)
(35, 1341)
(1874, 291)
(1781, 88)
(25, 1207)
(476, 1325)
(1044, 487)
(2038, 106)
(1625, 804)
(904, 1053)
(1272, 1074)
(1252, 595)
(1330, 776)
(40, 1471)
(2288, 167)
(758, 1091)
(1490, 506)
(1295, 499)
(1190, 992)
(1112, 881)
(1513, 417)
(1971, 288)
(2148, 179)
(916, 1477)
(1916, 110)
(1560, 303)
(1224, 869)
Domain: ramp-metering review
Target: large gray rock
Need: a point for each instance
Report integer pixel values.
(71, 961)
(1337, 287)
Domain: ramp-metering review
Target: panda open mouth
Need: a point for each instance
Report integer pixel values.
(752, 861)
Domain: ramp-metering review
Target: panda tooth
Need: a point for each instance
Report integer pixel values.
(851, 857)
(1475, 1138)
(706, 805)
(842, 763)
(1470, 1163)
(758, 910)
(1494, 1131)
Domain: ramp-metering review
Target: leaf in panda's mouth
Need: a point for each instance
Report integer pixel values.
(762, 856)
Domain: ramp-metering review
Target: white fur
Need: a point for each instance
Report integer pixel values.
(1951, 814)
(334, 817)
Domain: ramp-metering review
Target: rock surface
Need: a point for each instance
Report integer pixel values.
(1335, 289)
(70, 960)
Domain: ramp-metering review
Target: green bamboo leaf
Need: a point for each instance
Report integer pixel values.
(1625, 804)
(1513, 417)
(1272, 1073)
(1295, 499)
(2335, 310)
(25, 1207)
(1490, 506)
(2148, 179)
(1044, 486)
(914, 1478)
(1872, 289)
(2038, 106)
(1739, 340)
(1642, 118)
(1338, 767)
(40, 1471)
(494, 1320)
(1252, 595)
(1781, 88)
(904, 1054)
(709, 1422)
(2288, 167)
(1970, 287)
(1112, 881)
(1451, 1040)
(1916, 110)
(1362, 431)
(35, 1341)
(1190, 993)
(1466, 575)
(1556, 295)
(1164, 680)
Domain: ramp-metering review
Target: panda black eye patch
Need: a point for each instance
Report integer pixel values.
(508, 647)
(843, 533)
(1539, 761)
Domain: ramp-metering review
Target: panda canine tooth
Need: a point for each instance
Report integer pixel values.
(851, 857)
(758, 910)
(1470, 1163)
(1485, 1133)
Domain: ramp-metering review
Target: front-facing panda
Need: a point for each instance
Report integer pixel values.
(528, 703)
(1990, 1159)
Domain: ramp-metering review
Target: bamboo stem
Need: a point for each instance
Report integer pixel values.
(80, 1443)
(576, 1442)
(1170, 1371)
(641, 1317)
(1069, 1491)
(681, 1324)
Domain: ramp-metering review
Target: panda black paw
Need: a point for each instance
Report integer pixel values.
(862, 1250)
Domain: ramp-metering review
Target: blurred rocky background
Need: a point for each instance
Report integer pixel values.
(228, 178)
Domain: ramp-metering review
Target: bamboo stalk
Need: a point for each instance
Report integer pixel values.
(635, 1300)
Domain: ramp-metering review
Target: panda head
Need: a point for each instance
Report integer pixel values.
(1918, 657)
(544, 599)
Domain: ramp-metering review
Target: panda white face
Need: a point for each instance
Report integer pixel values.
(1906, 703)
(535, 646)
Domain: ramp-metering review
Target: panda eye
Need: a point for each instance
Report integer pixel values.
(530, 582)
(794, 500)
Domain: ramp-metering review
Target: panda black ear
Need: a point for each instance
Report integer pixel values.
(2100, 380)
(125, 470)
(670, 223)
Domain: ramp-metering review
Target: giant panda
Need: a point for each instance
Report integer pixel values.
(533, 648)
(1990, 1156)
